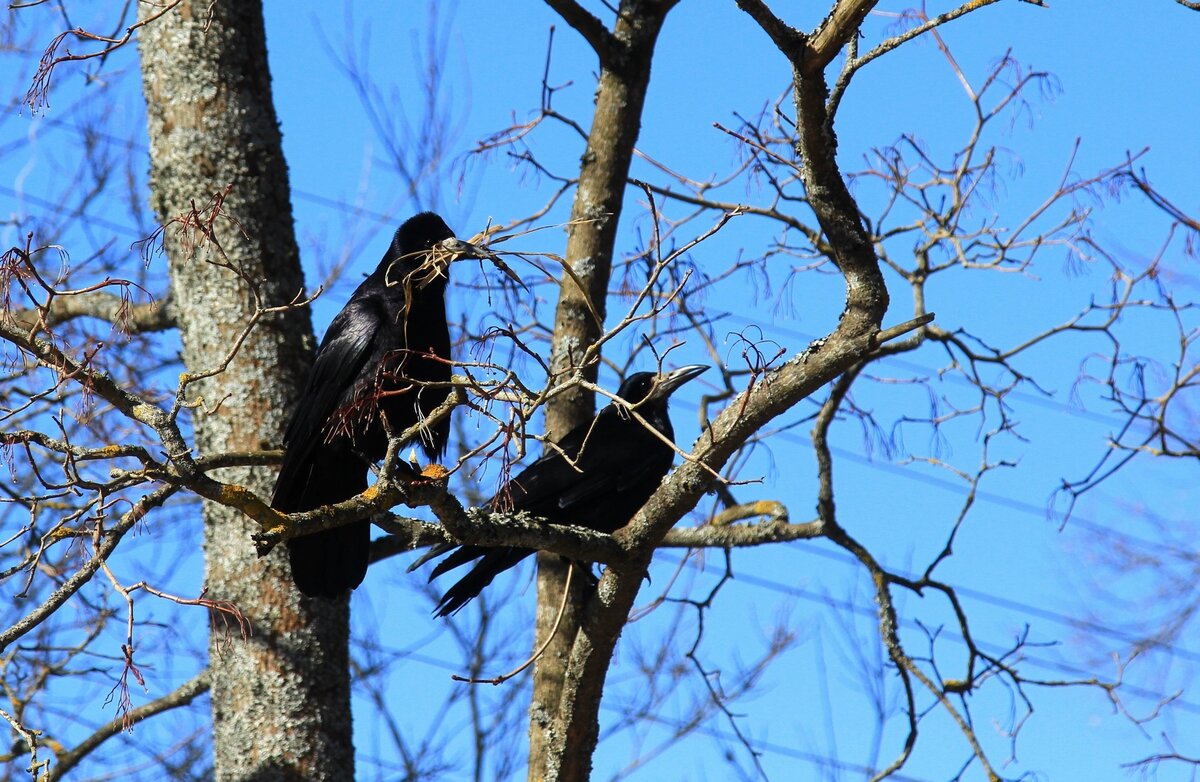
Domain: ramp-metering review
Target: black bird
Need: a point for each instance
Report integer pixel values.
(389, 339)
(618, 463)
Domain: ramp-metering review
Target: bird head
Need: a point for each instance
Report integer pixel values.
(648, 388)
(422, 251)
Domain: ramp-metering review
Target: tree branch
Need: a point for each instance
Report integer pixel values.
(129, 318)
(789, 40)
(592, 29)
(854, 338)
(131, 405)
(477, 527)
(839, 27)
(182, 696)
(107, 544)
(591, 238)
(740, 535)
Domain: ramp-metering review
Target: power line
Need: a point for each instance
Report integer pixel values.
(679, 726)
(140, 146)
(984, 496)
(957, 488)
(915, 367)
(766, 746)
(61, 209)
(993, 649)
(1011, 504)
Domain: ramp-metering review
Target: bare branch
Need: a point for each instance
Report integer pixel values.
(129, 318)
(108, 542)
(839, 27)
(599, 37)
(39, 90)
(181, 696)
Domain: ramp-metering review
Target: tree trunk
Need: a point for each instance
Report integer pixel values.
(625, 58)
(281, 699)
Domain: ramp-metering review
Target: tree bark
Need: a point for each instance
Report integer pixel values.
(571, 739)
(625, 56)
(281, 698)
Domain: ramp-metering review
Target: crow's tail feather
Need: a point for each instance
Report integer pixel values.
(330, 562)
(491, 564)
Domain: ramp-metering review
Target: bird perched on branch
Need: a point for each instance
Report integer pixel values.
(601, 474)
(370, 374)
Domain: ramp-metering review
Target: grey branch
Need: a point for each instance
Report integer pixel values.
(478, 527)
(129, 318)
(740, 535)
(592, 29)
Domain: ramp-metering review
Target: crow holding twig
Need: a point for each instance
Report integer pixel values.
(369, 377)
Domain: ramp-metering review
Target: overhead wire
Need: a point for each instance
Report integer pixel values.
(767, 747)
(991, 648)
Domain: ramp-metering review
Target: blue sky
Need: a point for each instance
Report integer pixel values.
(1122, 80)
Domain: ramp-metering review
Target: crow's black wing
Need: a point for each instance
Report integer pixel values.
(538, 487)
(337, 368)
(617, 464)
(533, 489)
(614, 470)
(613, 454)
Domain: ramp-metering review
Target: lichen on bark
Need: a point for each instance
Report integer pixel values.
(280, 699)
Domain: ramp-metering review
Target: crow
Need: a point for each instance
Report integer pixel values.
(368, 376)
(601, 474)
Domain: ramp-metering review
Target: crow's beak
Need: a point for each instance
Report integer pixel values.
(441, 255)
(437, 259)
(457, 249)
(460, 250)
(668, 383)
